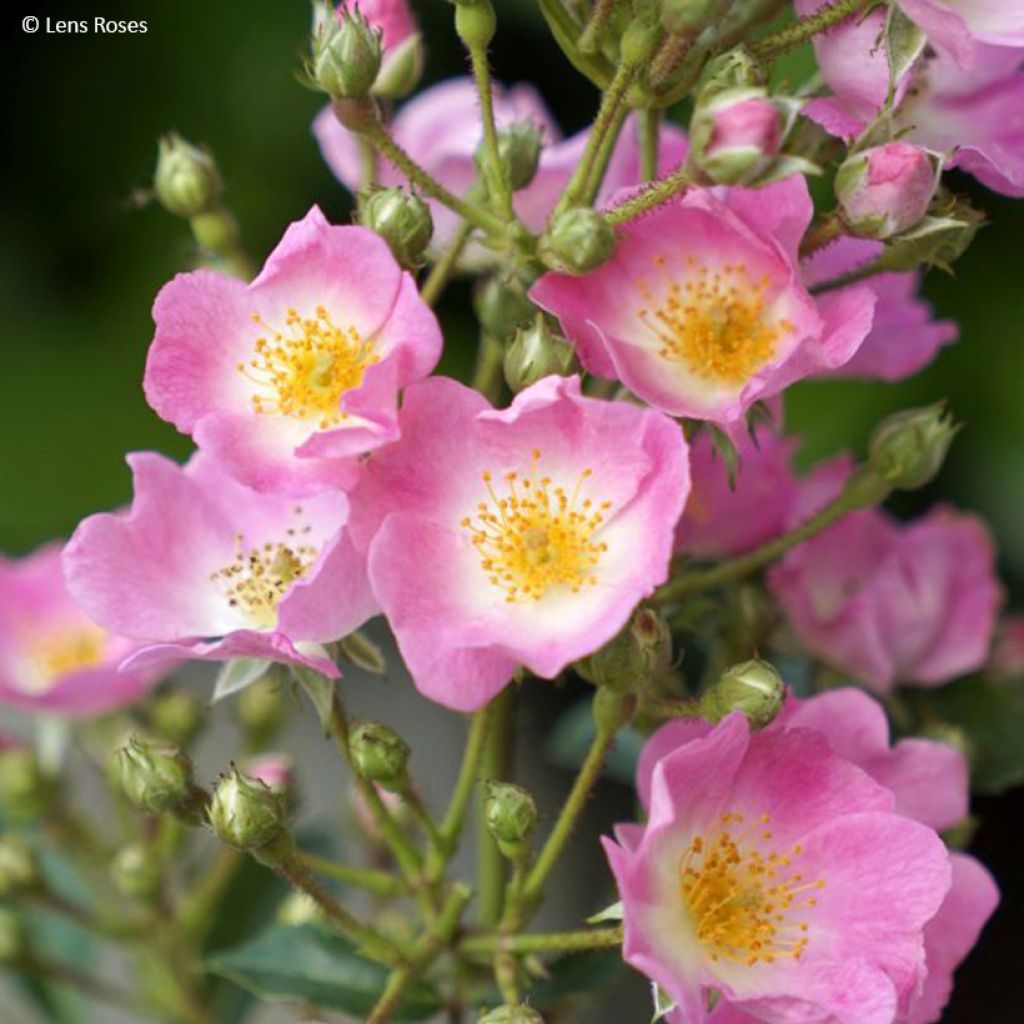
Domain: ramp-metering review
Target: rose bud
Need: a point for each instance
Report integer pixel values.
(735, 135)
(579, 241)
(753, 687)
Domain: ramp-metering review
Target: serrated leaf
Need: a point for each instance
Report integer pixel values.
(319, 689)
(991, 713)
(236, 675)
(904, 43)
(309, 964)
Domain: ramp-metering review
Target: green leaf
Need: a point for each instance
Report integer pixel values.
(319, 689)
(237, 675)
(991, 713)
(569, 741)
(576, 974)
(312, 965)
(904, 42)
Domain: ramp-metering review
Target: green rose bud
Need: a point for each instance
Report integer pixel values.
(753, 687)
(511, 814)
(380, 755)
(402, 219)
(136, 872)
(175, 716)
(640, 652)
(736, 69)
(512, 1015)
(26, 791)
(246, 813)
(346, 55)
(537, 352)
(501, 306)
(401, 71)
(579, 241)
(12, 937)
(187, 181)
(519, 152)
(475, 23)
(155, 776)
(907, 449)
(19, 868)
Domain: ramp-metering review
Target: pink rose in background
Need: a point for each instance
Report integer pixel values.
(53, 658)
(701, 311)
(892, 603)
(766, 499)
(203, 567)
(773, 870)
(903, 338)
(536, 528)
(440, 129)
(401, 43)
(275, 771)
(290, 379)
(929, 783)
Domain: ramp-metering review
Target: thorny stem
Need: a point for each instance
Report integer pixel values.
(493, 943)
(443, 269)
(487, 377)
(596, 28)
(654, 195)
(805, 28)
(497, 183)
(851, 277)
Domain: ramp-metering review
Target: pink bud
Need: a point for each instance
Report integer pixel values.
(275, 771)
(736, 135)
(886, 189)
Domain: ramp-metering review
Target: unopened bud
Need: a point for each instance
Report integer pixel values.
(640, 652)
(511, 814)
(537, 352)
(735, 135)
(501, 306)
(26, 791)
(245, 813)
(753, 687)
(518, 151)
(402, 219)
(907, 449)
(346, 55)
(688, 17)
(12, 937)
(380, 755)
(136, 872)
(19, 868)
(475, 22)
(736, 69)
(512, 1015)
(175, 716)
(886, 189)
(187, 181)
(155, 776)
(578, 241)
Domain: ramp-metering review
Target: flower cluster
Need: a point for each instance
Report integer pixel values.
(613, 492)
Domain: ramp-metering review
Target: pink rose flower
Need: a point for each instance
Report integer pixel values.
(894, 603)
(199, 555)
(766, 499)
(53, 658)
(885, 189)
(288, 380)
(903, 338)
(536, 528)
(701, 311)
(776, 872)
(440, 129)
(401, 43)
(929, 783)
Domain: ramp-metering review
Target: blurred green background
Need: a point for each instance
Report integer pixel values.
(80, 262)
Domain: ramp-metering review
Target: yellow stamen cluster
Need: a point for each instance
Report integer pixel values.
(303, 370)
(259, 577)
(713, 321)
(746, 904)
(70, 650)
(531, 535)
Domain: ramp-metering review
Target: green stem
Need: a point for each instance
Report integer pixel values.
(826, 231)
(671, 708)
(367, 164)
(443, 269)
(862, 489)
(607, 115)
(419, 813)
(566, 31)
(542, 942)
(494, 765)
(217, 233)
(596, 28)
(488, 377)
(654, 195)
(649, 132)
(805, 28)
(386, 145)
(600, 166)
(568, 818)
(851, 277)
(380, 883)
(497, 183)
(281, 856)
(199, 907)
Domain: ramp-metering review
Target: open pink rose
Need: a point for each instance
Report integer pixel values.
(776, 872)
(290, 379)
(894, 603)
(929, 783)
(203, 567)
(536, 529)
(53, 658)
(701, 311)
